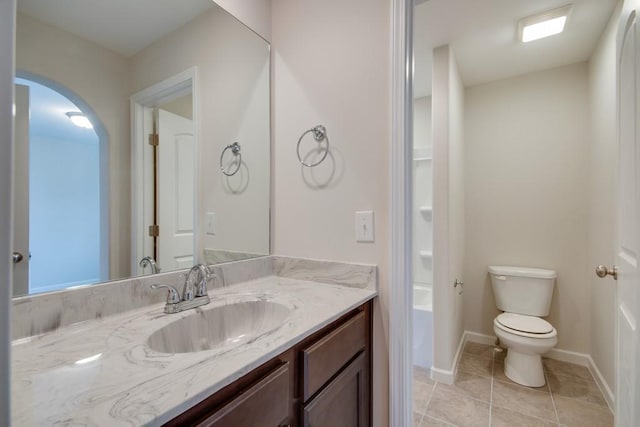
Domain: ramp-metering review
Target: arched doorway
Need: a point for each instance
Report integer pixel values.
(63, 199)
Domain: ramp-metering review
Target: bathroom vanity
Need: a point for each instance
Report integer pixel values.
(323, 380)
(291, 346)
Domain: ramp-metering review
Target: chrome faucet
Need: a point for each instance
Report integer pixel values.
(188, 291)
(192, 295)
(150, 262)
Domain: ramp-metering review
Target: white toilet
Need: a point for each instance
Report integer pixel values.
(524, 294)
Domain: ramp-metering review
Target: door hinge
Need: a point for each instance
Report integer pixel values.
(154, 139)
(154, 230)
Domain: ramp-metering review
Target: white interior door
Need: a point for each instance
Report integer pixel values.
(21, 193)
(176, 182)
(628, 299)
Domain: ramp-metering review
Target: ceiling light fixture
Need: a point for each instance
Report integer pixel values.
(544, 24)
(79, 120)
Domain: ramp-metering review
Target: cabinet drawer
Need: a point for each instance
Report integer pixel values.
(265, 404)
(325, 358)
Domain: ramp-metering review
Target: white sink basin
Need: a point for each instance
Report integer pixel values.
(222, 327)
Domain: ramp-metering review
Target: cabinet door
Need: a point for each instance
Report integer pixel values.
(266, 404)
(344, 402)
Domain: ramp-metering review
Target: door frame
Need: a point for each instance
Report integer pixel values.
(7, 76)
(22, 166)
(173, 87)
(400, 316)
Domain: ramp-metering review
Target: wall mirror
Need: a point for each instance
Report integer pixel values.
(142, 140)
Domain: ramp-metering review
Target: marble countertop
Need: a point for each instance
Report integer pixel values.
(100, 372)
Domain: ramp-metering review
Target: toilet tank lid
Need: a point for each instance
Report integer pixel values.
(538, 273)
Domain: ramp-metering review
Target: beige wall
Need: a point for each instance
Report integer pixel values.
(448, 209)
(256, 14)
(233, 96)
(101, 78)
(526, 193)
(602, 209)
(182, 106)
(331, 66)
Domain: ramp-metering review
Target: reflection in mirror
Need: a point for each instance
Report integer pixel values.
(95, 193)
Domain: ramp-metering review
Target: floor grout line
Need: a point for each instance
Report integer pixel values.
(493, 373)
(553, 401)
(430, 416)
(433, 389)
(424, 417)
(441, 420)
(413, 380)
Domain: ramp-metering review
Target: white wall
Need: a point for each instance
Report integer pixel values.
(7, 63)
(234, 106)
(101, 78)
(602, 209)
(422, 137)
(422, 191)
(331, 66)
(448, 208)
(255, 14)
(526, 193)
(457, 188)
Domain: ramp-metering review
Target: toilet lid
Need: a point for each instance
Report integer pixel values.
(522, 323)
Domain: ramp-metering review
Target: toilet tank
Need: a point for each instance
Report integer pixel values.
(522, 290)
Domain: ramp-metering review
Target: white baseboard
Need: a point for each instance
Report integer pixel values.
(442, 375)
(479, 338)
(602, 384)
(581, 359)
(448, 376)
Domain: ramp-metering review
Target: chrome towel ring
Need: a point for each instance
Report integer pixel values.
(319, 134)
(235, 149)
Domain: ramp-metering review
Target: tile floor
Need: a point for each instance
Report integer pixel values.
(483, 396)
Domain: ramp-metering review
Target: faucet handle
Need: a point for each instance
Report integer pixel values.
(204, 276)
(173, 297)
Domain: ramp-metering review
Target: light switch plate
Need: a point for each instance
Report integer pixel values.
(211, 223)
(364, 227)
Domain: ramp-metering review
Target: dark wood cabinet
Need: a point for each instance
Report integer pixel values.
(325, 380)
(344, 401)
(326, 357)
(265, 403)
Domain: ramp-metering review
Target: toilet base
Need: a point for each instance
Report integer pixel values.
(524, 369)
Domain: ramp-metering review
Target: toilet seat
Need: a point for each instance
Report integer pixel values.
(525, 326)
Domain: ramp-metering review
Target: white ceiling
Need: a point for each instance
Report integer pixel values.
(124, 26)
(483, 35)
